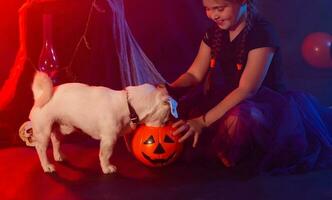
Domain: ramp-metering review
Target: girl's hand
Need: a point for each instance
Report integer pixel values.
(191, 127)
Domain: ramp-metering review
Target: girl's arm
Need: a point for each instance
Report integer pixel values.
(254, 73)
(195, 74)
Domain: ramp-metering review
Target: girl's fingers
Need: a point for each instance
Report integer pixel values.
(183, 138)
(181, 129)
(178, 123)
(196, 136)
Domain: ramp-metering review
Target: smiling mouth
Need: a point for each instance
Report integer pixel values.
(158, 161)
(220, 22)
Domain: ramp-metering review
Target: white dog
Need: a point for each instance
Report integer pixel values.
(102, 113)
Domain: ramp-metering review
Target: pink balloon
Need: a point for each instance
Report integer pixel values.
(317, 49)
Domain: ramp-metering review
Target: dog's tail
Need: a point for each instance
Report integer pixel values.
(42, 88)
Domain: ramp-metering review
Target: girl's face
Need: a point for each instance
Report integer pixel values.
(227, 14)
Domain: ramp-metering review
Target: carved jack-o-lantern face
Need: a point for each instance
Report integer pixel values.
(26, 133)
(156, 146)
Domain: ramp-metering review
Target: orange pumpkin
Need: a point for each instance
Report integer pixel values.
(156, 146)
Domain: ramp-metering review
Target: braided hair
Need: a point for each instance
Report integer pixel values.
(251, 11)
(216, 43)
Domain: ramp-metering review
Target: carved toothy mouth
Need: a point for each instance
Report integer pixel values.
(158, 161)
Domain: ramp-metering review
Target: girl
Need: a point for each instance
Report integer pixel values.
(249, 115)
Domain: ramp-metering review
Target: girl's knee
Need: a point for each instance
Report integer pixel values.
(235, 118)
(244, 116)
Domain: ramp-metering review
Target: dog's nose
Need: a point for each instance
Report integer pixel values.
(159, 150)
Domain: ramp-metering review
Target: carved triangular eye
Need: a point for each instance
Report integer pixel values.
(150, 140)
(168, 139)
(29, 130)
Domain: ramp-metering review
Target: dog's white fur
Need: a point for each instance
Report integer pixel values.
(99, 112)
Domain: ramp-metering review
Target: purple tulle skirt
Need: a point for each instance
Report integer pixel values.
(272, 132)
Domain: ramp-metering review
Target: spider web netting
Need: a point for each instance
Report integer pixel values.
(135, 67)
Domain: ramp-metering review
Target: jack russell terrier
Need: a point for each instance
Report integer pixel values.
(100, 112)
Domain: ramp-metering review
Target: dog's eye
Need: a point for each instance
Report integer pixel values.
(150, 140)
(165, 103)
(167, 139)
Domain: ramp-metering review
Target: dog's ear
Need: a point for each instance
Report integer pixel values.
(177, 92)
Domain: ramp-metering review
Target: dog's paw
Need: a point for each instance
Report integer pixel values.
(49, 168)
(58, 157)
(109, 169)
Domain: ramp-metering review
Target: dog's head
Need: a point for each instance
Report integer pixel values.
(152, 104)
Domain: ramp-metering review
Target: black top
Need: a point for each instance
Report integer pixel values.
(225, 77)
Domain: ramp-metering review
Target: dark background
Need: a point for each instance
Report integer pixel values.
(169, 31)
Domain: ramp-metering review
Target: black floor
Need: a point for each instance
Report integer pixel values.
(80, 177)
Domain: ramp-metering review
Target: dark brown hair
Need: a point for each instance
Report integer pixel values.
(216, 44)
